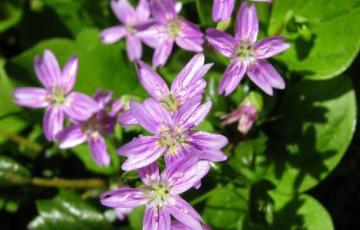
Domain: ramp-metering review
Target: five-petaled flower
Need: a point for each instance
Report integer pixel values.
(168, 28)
(247, 55)
(94, 129)
(188, 86)
(222, 9)
(173, 137)
(133, 20)
(161, 194)
(56, 96)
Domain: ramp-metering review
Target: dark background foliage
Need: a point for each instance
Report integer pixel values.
(297, 155)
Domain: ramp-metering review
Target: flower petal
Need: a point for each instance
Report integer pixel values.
(162, 53)
(153, 34)
(151, 115)
(193, 93)
(149, 174)
(184, 173)
(127, 118)
(99, 152)
(247, 24)
(69, 73)
(80, 107)
(190, 37)
(187, 75)
(71, 136)
(53, 122)
(270, 74)
(233, 74)
(269, 47)
(123, 11)
(222, 9)
(133, 47)
(156, 219)
(48, 70)
(143, 11)
(257, 76)
(210, 140)
(112, 34)
(191, 115)
(163, 10)
(31, 97)
(124, 198)
(141, 152)
(183, 212)
(151, 81)
(221, 41)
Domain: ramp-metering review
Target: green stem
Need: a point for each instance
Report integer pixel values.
(203, 197)
(21, 140)
(66, 183)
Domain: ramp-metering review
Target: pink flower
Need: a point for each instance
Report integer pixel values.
(132, 22)
(245, 115)
(248, 55)
(168, 28)
(56, 96)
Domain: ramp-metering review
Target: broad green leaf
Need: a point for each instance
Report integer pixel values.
(68, 211)
(324, 35)
(315, 128)
(12, 173)
(225, 207)
(101, 66)
(293, 213)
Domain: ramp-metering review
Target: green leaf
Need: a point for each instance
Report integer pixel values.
(136, 218)
(101, 66)
(316, 126)
(324, 35)
(225, 207)
(68, 211)
(6, 106)
(292, 213)
(10, 14)
(13, 173)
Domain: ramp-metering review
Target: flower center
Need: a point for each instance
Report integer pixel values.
(131, 30)
(173, 28)
(57, 97)
(172, 139)
(93, 127)
(159, 195)
(245, 53)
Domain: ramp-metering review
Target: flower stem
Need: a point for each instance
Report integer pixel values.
(21, 140)
(66, 183)
(203, 197)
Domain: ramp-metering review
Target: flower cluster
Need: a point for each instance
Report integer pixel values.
(171, 115)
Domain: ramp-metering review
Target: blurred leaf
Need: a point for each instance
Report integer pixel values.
(6, 106)
(204, 10)
(225, 207)
(68, 211)
(324, 35)
(10, 14)
(12, 173)
(101, 66)
(136, 218)
(315, 129)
